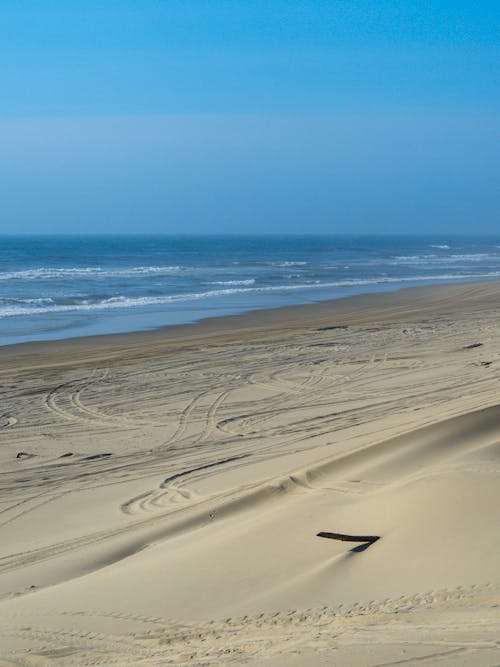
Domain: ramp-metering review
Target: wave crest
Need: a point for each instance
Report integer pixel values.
(45, 273)
(121, 301)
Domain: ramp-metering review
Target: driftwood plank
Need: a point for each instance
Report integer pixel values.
(349, 538)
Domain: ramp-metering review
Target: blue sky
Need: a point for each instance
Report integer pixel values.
(209, 116)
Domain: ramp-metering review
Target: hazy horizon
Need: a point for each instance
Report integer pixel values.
(236, 234)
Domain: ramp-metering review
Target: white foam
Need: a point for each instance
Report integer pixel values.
(38, 300)
(448, 259)
(127, 302)
(277, 263)
(46, 273)
(250, 281)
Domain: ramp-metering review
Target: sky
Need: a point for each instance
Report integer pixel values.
(210, 116)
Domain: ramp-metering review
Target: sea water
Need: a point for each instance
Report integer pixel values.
(54, 287)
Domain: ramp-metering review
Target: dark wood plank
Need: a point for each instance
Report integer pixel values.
(349, 538)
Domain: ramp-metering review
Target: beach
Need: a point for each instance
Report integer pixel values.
(162, 491)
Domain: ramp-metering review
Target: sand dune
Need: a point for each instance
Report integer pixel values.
(162, 493)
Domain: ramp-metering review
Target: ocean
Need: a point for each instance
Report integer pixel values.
(54, 287)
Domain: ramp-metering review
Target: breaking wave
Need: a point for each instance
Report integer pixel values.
(13, 307)
(47, 273)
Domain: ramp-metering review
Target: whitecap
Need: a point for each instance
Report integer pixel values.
(47, 273)
(250, 281)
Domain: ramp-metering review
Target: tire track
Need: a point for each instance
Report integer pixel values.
(250, 637)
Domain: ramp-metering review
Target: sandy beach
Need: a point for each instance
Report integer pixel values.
(161, 492)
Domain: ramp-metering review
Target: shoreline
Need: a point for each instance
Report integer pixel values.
(124, 286)
(344, 311)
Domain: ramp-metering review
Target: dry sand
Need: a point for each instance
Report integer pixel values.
(166, 504)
